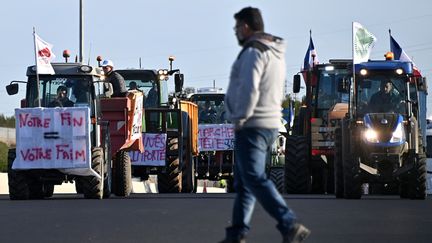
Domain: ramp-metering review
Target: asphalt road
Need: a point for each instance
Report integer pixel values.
(201, 218)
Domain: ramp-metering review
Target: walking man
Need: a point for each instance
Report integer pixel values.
(253, 103)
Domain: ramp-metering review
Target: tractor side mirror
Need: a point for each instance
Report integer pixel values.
(178, 82)
(12, 89)
(296, 83)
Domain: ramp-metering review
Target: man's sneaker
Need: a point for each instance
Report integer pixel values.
(298, 234)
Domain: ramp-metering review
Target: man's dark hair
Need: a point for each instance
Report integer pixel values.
(61, 88)
(252, 17)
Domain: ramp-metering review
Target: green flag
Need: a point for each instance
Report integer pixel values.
(363, 42)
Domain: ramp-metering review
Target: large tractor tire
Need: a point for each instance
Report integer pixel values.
(417, 180)
(413, 184)
(188, 170)
(319, 174)
(338, 165)
(230, 185)
(170, 180)
(352, 178)
(108, 163)
(330, 179)
(91, 185)
(78, 187)
(18, 186)
(48, 190)
(277, 176)
(122, 174)
(297, 173)
(36, 188)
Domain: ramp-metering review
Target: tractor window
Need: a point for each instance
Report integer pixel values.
(327, 93)
(140, 85)
(164, 92)
(381, 94)
(211, 109)
(76, 89)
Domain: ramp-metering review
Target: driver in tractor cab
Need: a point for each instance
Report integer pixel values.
(62, 99)
(117, 81)
(208, 114)
(385, 100)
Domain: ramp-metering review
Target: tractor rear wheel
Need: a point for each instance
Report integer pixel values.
(18, 186)
(277, 176)
(48, 190)
(352, 177)
(338, 166)
(91, 185)
(297, 173)
(230, 185)
(170, 181)
(417, 180)
(107, 164)
(122, 174)
(188, 171)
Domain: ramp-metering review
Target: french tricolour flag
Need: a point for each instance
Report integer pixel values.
(311, 56)
(400, 54)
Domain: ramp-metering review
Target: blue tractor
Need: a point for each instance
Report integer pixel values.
(380, 145)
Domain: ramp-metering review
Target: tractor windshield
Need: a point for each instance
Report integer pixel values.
(327, 91)
(211, 108)
(146, 82)
(58, 90)
(382, 94)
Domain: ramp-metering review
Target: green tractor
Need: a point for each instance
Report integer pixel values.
(169, 134)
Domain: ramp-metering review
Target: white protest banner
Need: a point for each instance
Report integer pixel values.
(53, 138)
(214, 137)
(137, 118)
(154, 150)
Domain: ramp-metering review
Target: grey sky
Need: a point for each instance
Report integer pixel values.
(200, 33)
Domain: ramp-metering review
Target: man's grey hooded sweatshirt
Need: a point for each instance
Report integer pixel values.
(255, 92)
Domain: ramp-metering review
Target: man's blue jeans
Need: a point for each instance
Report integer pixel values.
(251, 183)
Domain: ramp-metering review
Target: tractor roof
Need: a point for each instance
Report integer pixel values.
(70, 69)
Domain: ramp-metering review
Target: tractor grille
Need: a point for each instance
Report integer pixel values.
(384, 124)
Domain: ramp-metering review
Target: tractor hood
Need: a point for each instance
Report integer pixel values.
(384, 129)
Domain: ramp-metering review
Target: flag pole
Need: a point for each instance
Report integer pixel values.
(37, 69)
(312, 54)
(352, 101)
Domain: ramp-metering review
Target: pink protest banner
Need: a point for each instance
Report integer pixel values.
(154, 150)
(53, 138)
(215, 137)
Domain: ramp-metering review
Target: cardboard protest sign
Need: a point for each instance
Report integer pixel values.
(53, 138)
(135, 115)
(154, 150)
(215, 137)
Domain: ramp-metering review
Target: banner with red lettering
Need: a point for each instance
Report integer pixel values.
(215, 137)
(53, 138)
(154, 150)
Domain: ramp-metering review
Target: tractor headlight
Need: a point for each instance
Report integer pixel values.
(371, 135)
(398, 134)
